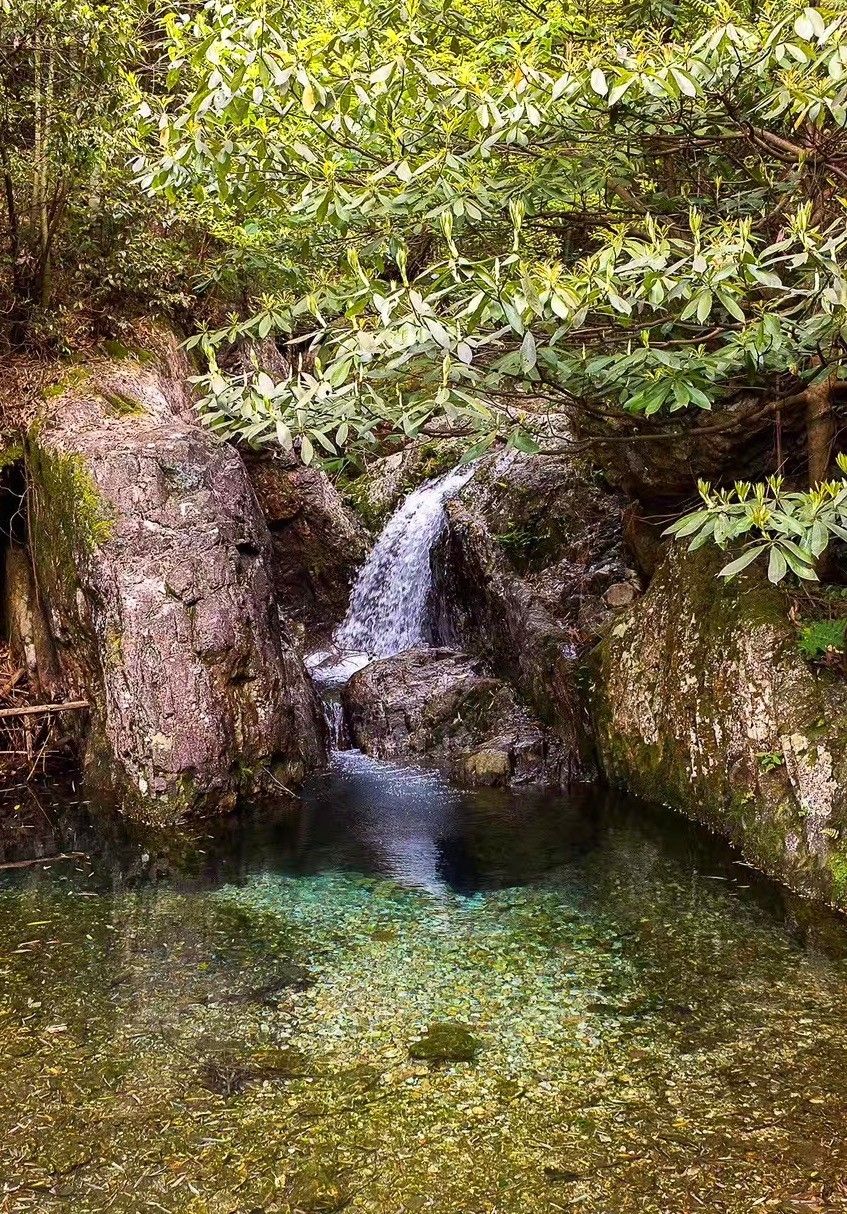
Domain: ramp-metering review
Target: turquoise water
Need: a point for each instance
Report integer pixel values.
(402, 998)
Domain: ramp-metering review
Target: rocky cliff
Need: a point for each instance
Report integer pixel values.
(701, 700)
(151, 596)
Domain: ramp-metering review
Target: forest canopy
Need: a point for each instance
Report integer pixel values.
(536, 224)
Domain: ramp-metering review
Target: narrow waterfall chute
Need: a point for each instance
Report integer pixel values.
(390, 601)
(388, 609)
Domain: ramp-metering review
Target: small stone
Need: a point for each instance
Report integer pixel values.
(621, 594)
(487, 767)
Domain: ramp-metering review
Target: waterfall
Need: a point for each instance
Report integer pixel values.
(390, 601)
(388, 606)
(336, 723)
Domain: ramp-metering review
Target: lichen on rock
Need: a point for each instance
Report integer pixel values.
(152, 564)
(701, 700)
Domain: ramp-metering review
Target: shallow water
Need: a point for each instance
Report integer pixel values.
(232, 1023)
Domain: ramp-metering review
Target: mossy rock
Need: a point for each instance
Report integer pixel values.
(11, 453)
(445, 1041)
(702, 701)
(66, 488)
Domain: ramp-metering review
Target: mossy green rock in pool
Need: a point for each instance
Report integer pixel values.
(445, 1041)
(702, 700)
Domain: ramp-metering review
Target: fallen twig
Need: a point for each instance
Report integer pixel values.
(10, 684)
(63, 855)
(32, 710)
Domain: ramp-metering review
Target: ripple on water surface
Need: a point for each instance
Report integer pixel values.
(408, 998)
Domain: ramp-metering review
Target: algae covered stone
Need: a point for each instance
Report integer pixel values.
(445, 1041)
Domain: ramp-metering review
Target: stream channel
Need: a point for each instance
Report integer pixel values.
(398, 996)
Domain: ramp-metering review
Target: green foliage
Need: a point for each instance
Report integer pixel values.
(63, 85)
(822, 637)
(770, 760)
(789, 528)
(500, 220)
(83, 244)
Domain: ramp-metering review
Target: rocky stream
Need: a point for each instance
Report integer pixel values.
(414, 857)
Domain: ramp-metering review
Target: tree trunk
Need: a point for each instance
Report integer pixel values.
(820, 430)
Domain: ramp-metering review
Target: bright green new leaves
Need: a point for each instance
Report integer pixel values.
(497, 222)
(789, 529)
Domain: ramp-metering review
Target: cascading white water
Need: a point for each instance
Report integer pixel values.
(388, 607)
(389, 603)
(336, 723)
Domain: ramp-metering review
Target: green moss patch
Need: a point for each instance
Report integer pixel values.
(445, 1041)
(71, 515)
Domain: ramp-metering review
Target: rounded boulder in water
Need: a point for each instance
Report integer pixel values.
(445, 1041)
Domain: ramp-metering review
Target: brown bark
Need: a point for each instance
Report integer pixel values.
(820, 430)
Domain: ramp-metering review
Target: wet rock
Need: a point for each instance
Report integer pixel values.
(155, 597)
(317, 543)
(379, 490)
(620, 594)
(532, 546)
(442, 707)
(486, 767)
(702, 701)
(445, 1041)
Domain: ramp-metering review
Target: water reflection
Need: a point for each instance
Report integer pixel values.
(230, 1013)
(409, 826)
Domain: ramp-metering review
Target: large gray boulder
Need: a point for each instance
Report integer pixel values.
(441, 707)
(152, 596)
(531, 565)
(701, 700)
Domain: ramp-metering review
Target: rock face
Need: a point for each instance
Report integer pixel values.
(379, 490)
(317, 542)
(154, 599)
(438, 706)
(735, 442)
(702, 701)
(527, 570)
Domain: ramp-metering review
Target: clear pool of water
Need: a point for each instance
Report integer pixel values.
(404, 998)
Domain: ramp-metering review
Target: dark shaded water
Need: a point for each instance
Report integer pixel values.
(236, 1022)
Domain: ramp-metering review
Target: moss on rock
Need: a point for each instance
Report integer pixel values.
(64, 484)
(702, 701)
(380, 488)
(445, 1041)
